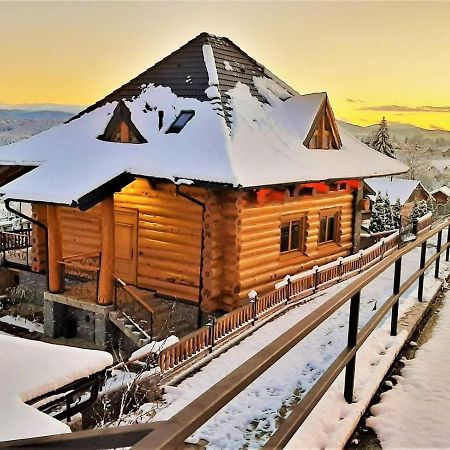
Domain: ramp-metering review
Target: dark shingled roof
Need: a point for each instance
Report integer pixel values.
(184, 71)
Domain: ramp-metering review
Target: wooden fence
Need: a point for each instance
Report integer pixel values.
(288, 291)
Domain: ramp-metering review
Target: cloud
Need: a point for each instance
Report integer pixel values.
(382, 108)
(354, 100)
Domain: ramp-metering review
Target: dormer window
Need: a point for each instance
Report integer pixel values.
(121, 129)
(179, 123)
(323, 134)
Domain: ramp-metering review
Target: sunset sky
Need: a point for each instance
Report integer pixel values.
(373, 58)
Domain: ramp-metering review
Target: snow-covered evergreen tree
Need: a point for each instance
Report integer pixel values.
(420, 208)
(388, 219)
(396, 214)
(382, 142)
(377, 218)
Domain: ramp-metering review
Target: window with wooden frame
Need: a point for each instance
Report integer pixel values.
(292, 235)
(329, 225)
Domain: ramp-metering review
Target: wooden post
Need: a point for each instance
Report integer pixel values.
(106, 280)
(54, 249)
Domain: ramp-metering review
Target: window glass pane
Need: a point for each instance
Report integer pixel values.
(323, 230)
(182, 120)
(331, 230)
(295, 229)
(284, 238)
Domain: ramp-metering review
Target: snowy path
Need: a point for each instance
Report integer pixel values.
(416, 412)
(251, 417)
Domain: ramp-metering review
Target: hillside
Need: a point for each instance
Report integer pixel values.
(17, 124)
(398, 131)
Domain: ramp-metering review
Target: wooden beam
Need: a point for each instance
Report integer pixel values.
(54, 249)
(106, 277)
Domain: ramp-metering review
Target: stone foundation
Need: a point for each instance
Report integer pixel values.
(70, 318)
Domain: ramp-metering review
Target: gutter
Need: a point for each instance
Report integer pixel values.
(202, 248)
(34, 221)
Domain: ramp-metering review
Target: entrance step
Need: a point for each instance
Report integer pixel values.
(130, 328)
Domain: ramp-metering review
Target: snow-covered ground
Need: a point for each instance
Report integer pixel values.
(251, 417)
(416, 412)
(22, 322)
(31, 368)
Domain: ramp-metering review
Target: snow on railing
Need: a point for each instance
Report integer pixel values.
(424, 222)
(291, 289)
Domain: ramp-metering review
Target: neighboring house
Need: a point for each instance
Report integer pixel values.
(441, 195)
(202, 178)
(407, 191)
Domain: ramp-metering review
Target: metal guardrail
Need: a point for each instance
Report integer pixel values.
(173, 432)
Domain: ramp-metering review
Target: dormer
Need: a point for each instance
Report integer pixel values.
(324, 133)
(121, 128)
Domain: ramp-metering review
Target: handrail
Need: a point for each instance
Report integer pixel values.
(80, 267)
(135, 297)
(80, 256)
(200, 410)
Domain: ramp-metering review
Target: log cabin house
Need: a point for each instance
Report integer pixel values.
(406, 191)
(202, 178)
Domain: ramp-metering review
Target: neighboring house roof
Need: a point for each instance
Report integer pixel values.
(443, 189)
(396, 188)
(249, 130)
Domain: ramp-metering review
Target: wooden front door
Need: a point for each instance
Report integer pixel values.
(126, 244)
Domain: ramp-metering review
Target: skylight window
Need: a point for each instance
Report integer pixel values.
(179, 123)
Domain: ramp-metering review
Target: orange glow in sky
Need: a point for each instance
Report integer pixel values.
(373, 58)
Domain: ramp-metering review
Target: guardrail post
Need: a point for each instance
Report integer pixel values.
(422, 265)
(447, 252)
(210, 326)
(288, 290)
(316, 279)
(396, 290)
(352, 336)
(439, 245)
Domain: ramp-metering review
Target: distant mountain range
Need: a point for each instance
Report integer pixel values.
(34, 107)
(397, 130)
(22, 121)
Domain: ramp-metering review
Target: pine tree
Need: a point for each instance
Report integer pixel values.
(378, 217)
(396, 214)
(381, 142)
(388, 219)
(420, 208)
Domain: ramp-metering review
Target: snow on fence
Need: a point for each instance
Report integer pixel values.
(291, 289)
(424, 222)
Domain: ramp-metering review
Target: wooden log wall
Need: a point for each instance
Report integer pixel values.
(39, 244)
(169, 237)
(259, 262)
(221, 252)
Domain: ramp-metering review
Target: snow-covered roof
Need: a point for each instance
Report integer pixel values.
(443, 189)
(246, 133)
(32, 368)
(396, 188)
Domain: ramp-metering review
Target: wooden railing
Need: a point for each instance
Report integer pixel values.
(123, 293)
(80, 270)
(290, 290)
(17, 242)
(424, 222)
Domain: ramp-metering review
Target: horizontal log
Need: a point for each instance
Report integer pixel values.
(191, 243)
(170, 289)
